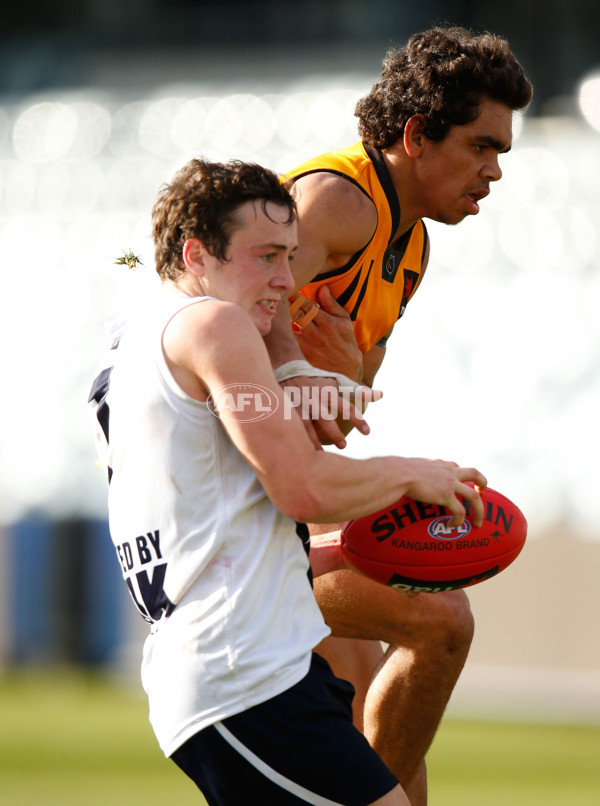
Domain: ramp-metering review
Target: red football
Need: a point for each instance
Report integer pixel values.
(413, 546)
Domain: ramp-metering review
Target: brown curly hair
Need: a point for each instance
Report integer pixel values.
(443, 74)
(200, 202)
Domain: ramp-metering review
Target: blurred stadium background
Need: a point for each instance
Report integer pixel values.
(496, 362)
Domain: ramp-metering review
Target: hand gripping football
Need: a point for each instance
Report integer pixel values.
(414, 547)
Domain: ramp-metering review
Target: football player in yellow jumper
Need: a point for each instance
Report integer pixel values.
(432, 129)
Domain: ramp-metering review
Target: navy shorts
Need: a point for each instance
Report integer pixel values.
(299, 747)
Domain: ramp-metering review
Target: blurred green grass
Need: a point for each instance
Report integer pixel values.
(514, 764)
(70, 737)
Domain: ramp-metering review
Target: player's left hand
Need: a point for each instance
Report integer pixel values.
(328, 340)
(329, 415)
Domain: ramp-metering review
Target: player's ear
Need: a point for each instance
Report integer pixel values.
(414, 135)
(194, 255)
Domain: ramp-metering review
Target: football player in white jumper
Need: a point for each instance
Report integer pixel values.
(212, 477)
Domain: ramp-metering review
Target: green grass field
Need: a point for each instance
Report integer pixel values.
(70, 739)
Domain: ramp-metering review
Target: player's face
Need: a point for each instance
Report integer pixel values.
(256, 274)
(457, 172)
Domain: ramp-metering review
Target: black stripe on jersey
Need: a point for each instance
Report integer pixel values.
(100, 386)
(103, 417)
(98, 394)
(401, 244)
(347, 293)
(327, 275)
(363, 291)
(411, 279)
(332, 171)
(304, 535)
(386, 183)
(423, 254)
(425, 244)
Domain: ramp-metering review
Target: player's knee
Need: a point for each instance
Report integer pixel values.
(453, 625)
(456, 625)
(446, 625)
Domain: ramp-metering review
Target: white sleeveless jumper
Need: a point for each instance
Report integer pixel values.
(219, 573)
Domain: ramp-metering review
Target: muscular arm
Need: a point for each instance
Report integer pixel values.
(372, 361)
(335, 220)
(326, 204)
(305, 483)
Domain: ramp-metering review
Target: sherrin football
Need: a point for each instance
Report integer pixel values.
(414, 547)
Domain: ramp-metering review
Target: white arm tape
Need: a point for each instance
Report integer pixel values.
(300, 367)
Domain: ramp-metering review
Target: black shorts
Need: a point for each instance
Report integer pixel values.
(299, 747)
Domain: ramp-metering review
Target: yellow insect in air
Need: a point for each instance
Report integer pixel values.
(129, 259)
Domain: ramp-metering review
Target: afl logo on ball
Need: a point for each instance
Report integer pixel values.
(442, 528)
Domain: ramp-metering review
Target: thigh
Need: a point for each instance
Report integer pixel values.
(356, 661)
(299, 747)
(357, 607)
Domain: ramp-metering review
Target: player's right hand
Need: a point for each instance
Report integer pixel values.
(443, 483)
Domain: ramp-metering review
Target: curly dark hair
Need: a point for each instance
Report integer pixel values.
(200, 202)
(443, 74)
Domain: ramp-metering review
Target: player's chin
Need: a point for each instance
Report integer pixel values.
(454, 217)
(263, 324)
(462, 214)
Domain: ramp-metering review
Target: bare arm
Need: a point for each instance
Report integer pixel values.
(306, 484)
(325, 203)
(335, 220)
(373, 360)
